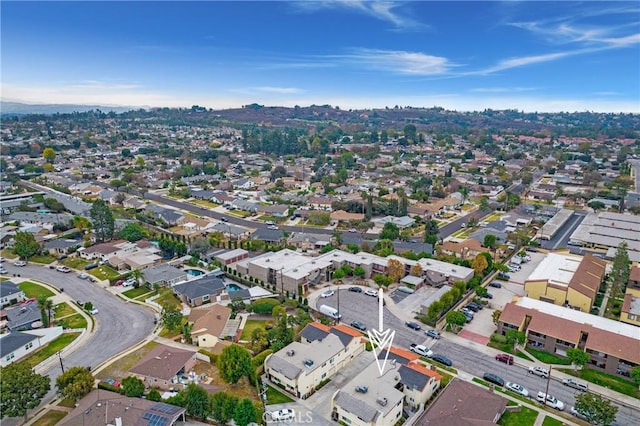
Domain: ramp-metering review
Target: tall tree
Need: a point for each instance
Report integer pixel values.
(171, 316)
(596, 409)
(456, 319)
(490, 241)
(395, 270)
(103, 222)
(196, 401)
(245, 412)
(21, 389)
(620, 270)
(578, 357)
(390, 231)
(222, 406)
(45, 304)
(479, 264)
(235, 362)
(75, 383)
(133, 232)
(25, 244)
(49, 155)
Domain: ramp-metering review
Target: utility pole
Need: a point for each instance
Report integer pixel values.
(546, 393)
(338, 292)
(60, 357)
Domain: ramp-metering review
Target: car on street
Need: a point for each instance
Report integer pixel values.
(413, 325)
(495, 284)
(83, 275)
(20, 263)
(550, 400)
(355, 289)
(371, 292)
(432, 333)
(327, 293)
(539, 371)
(421, 350)
(63, 268)
(492, 378)
(274, 227)
(573, 383)
(506, 358)
(283, 415)
(353, 230)
(442, 359)
(359, 325)
(2, 259)
(94, 310)
(519, 389)
(3, 270)
(578, 414)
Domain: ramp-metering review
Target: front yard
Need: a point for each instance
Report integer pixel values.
(547, 358)
(50, 349)
(120, 368)
(136, 292)
(33, 290)
(63, 310)
(104, 273)
(44, 259)
(610, 381)
(74, 321)
(75, 262)
(525, 417)
(52, 418)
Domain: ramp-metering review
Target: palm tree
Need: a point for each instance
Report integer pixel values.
(138, 275)
(464, 191)
(45, 305)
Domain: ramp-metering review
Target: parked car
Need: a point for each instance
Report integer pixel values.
(506, 358)
(2, 259)
(274, 227)
(3, 270)
(355, 289)
(421, 350)
(495, 284)
(371, 292)
(91, 266)
(573, 383)
(519, 389)
(283, 415)
(433, 333)
(94, 311)
(362, 389)
(83, 275)
(442, 359)
(20, 263)
(406, 290)
(578, 414)
(488, 296)
(359, 325)
(504, 275)
(550, 400)
(129, 282)
(413, 325)
(492, 378)
(539, 371)
(327, 293)
(472, 307)
(63, 268)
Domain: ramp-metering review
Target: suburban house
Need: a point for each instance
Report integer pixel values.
(61, 246)
(230, 231)
(168, 216)
(464, 404)
(270, 236)
(212, 324)
(275, 210)
(122, 254)
(402, 222)
(18, 344)
(567, 280)
(232, 256)
(306, 241)
(164, 274)
(323, 351)
(343, 216)
(106, 407)
(23, 317)
(163, 367)
(467, 249)
(10, 293)
(202, 290)
(611, 345)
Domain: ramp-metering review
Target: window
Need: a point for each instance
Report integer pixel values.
(323, 375)
(205, 298)
(347, 420)
(10, 357)
(28, 346)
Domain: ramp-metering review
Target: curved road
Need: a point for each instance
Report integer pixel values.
(119, 325)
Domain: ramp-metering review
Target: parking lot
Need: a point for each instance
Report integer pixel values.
(526, 268)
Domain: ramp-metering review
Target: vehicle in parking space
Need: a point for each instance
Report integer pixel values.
(573, 383)
(362, 389)
(20, 263)
(63, 268)
(412, 324)
(473, 307)
(442, 359)
(550, 400)
(269, 222)
(283, 415)
(492, 378)
(421, 350)
(495, 284)
(330, 311)
(578, 414)
(432, 333)
(506, 358)
(359, 325)
(355, 289)
(405, 289)
(83, 275)
(539, 371)
(467, 315)
(519, 389)
(129, 282)
(488, 296)
(3, 270)
(327, 293)
(467, 312)
(91, 266)
(274, 227)
(504, 275)
(371, 292)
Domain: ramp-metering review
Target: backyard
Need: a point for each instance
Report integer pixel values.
(50, 349)
(274, 396)
(119, 369)
(249, 326)
(33, 290)
(51, 418)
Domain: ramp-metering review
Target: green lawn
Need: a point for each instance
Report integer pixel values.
(7, 254)
(167, 297)
(550, 421)
(75, 262)
(50, 349)
(62, 310)
(34, 290)
(105, 273)
(239, 213)
(547, 358)
(610, 381)
(480, 381)
(205, 203)
(135, 292)
(46, 259)
(525, 417)
(276, 397)
(74, 321)
(249, 326)
(51, 418)
(269, 218)
(523, 355)
(504, 347)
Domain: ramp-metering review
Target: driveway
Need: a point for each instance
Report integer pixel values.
(119, 325)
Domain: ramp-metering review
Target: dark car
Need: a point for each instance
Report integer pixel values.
(495, 284)
(355, 289)
(506, 358)
(492, 378)
(503, 275)
(473, 306)
(442, 359)
(488, 296)
(359, 325)
(91, 266)
(413, 325)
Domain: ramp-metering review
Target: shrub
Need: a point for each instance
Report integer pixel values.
(258, 360)
(498, 338)
(107, 386)
(212, 357)
(263, 306)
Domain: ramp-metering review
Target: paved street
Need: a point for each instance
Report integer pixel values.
(119, 325)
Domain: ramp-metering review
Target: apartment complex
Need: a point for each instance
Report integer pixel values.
(567, 280)
(323, 351)
(606, 230)
(611, 345)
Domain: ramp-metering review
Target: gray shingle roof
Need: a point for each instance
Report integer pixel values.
(164, 273)
(356, 406)
(61, 244)
(200, 287)
(22, 316)
(344, 337)
(412, 378)
(12, 341)
(7, 288)
(268, 234)
(283, 366)
(312, 333)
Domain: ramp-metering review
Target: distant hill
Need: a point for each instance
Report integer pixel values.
(17, 108)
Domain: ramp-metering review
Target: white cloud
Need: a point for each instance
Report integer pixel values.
(403, 62)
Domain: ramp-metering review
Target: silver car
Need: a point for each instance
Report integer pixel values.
(519, 389)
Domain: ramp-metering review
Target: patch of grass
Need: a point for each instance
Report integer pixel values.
(7, 254)
(523, 355)
(119, 369)
(205, 203)
(74, 321)
(269, 218)
(525, 417)
(480, 381)
(238, 213)
(68, 402)
(167, 297)
(51, 418)
(50, 349)
(34, 290)
(610, 381)
(62, 310)
(276, 397)
(504, 347)
(547, 358)
(45, 259)
(104, 273)
(249, 326)
(550, 421)
(75, 262)
(135, 292)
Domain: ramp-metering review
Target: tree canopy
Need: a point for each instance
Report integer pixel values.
(75, 383)
(103, 221)
(596, 409)
(25, 244)
(234, 363)
(21, 389)
(133, 386)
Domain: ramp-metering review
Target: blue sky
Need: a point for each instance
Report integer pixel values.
(531, 56)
